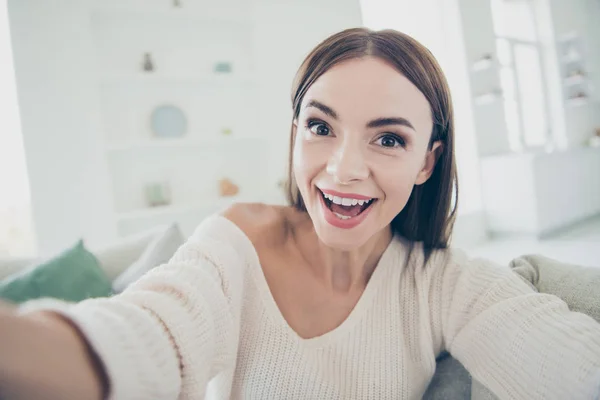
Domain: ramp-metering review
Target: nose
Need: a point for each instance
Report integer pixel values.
(347, 164)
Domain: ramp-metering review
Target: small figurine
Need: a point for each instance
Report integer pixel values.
(157, 194)
(223, 67)
(148, 64)
(227, 188)
(594, 141)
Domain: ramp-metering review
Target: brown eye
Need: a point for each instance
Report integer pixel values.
(390, 141)
(318, 128)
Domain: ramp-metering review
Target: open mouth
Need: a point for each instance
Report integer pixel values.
(346, 208)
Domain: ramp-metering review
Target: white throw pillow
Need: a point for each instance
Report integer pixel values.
(9, 266)
(116, 257)
(158, 252)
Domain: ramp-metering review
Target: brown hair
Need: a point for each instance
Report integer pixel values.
(430, 212)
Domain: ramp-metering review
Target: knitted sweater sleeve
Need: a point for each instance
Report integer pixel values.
(169, 333)
(519, 343)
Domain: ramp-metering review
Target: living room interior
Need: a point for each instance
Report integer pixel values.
(127, 122)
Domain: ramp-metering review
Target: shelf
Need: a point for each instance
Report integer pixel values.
(573, 58)
(164, 12)
(577, 102)
(487, 98)
(568, 37)
(152, 79)
(171, 210)
(184, 143)
(483, 65)
(574, 80)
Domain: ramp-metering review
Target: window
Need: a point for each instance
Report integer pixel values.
(521, 74)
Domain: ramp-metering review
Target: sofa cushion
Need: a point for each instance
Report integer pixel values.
(575, 285)
(73, 275)
(116, 257)
(450, 381)
(158, 252)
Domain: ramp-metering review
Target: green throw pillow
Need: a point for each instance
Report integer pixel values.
(73, 275)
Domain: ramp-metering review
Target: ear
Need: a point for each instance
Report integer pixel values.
(429, 163)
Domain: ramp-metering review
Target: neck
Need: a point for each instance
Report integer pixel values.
(340, 270)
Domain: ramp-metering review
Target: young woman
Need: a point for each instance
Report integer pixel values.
(348, 293)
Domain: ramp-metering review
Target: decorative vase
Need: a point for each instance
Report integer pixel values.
(148, 65)
(157, 194)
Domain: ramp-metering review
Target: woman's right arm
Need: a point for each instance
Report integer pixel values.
(165, 337)
(38, 351)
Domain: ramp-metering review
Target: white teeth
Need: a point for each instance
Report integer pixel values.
(345, 201)
(340, 216)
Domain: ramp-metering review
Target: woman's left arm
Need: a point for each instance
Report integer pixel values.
(519, 343)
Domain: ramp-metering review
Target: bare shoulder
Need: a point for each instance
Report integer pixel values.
(262, 223)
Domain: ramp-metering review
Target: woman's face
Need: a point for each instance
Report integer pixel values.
(361, 145)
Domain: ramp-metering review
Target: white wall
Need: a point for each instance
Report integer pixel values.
(59, 107)
(509, 193)
(285, 32)
(552, 69)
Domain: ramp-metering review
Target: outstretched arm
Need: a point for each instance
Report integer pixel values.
(164, 337)
(37, 353)
(517, 342)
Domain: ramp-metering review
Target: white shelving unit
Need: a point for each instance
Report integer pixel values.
(182, 45)
(186, 215)
(233, 11)
(577, 84)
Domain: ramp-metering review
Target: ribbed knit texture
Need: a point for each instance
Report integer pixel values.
(207, 320)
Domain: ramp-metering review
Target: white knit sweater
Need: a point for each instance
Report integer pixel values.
(205, 324)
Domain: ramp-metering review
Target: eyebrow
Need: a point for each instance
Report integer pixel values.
(376, 123)
(327, 110)
(379, 122)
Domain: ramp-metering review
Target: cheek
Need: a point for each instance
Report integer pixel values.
(397, 181)
(309, 159)
(301, 167)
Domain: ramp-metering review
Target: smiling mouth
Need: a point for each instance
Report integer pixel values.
(346, 208)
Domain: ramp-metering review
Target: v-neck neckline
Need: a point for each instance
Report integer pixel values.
(353, 317)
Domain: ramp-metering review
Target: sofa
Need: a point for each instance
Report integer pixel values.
(120, 263)
(126, 260)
